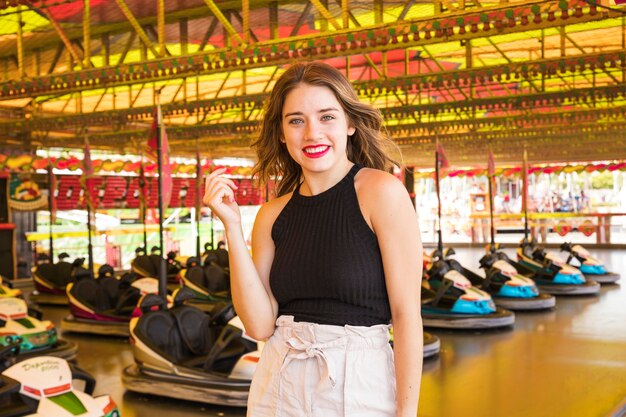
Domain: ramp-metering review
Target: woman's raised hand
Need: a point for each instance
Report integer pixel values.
(219, 195)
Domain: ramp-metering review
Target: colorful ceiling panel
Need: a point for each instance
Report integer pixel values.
(546, 75)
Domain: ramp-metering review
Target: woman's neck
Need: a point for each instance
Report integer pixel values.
(315, 183)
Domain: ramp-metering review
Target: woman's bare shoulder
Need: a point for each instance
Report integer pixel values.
(270, 210)
(379, 193)
(376, 183)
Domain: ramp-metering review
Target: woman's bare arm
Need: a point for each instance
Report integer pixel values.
(387, 205)
(249, 275)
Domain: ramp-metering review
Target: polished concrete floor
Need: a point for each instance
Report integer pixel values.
(570, 361)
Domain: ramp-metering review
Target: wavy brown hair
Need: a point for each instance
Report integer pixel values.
(367, 146)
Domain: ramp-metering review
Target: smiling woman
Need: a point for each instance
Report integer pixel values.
(336, 257)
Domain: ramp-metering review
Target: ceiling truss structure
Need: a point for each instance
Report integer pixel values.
(548, 75)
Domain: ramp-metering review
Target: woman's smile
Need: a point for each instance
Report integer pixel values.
(316, 151)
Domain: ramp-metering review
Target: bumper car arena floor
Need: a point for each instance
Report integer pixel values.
(569, 361)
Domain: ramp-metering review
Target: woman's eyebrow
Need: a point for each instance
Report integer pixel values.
(299, 113)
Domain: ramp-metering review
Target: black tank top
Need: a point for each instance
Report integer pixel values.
(327, 266)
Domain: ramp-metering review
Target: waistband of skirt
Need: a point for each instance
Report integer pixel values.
(367, 336)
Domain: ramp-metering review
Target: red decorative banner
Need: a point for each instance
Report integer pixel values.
(31, 163)
(123, 192)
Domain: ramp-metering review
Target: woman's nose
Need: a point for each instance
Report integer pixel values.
(312, 130)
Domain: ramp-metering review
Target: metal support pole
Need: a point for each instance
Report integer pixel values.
(273, 14)
(245, 14)
(20, 43)
(145, 232)
(198, 198)
(89, 245)
(161, 26)
(86, 34)
(493, 231)
(437, 181)
(89, 210)
(525, 190)
(212, 236)
(162, 266)
(50, 205)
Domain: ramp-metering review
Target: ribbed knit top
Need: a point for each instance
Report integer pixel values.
(327, 265)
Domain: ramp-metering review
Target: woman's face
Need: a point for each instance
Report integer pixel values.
(315, 128)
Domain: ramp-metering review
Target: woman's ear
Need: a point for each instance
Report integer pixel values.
(351, 130)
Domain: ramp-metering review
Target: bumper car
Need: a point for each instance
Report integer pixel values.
(9, 292)
(210, 283)
(42, 387)
(174, 266)
(218, 256)
(22, 325)
(51, 279)
(105, 305)
(450, 301)
(591, 267)
(148, 265)
(551, 273)
(185, 353)
(508, 288)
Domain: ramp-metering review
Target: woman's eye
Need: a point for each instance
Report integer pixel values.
(328, 117)
(295, 121)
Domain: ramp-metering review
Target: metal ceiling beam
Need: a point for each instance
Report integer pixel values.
(161, 26)
(589, 147)
(326, 14)
(586, 131)
(183, 28)
(503, 103)
(86, 33)
(570, 122)
(224, 21)
(346, 10)
(441, 68)
(20, 43)
(125, 26)
(138, 29)
(208, 34)
(66, 41)
(302, 46)
(242, 135)
(301, 19)
(415, 82)
(245, 24)
(129, 44)
(251, 37)
(586, 148)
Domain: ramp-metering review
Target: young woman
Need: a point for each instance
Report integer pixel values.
(335, 258)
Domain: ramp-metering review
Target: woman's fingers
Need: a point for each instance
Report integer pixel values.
(211, 176)
(219, 186)
(217, 193)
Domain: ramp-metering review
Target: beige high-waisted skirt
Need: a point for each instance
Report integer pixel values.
(319, 370)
